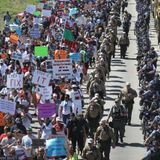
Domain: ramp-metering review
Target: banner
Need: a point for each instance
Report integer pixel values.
(46, 13)
(15, 80)
(41, 51)
(62, 67)
(46, 110)
(31, 9)
(7, 106)
(75, 57)
(16, 56)
(41, 78)
(55, 147)
(35, 32)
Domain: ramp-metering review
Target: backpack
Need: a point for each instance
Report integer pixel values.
(105, 133)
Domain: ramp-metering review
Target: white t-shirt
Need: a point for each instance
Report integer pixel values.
(76, 97)
(66, 107)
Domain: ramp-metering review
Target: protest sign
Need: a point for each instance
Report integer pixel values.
(46, 110)
(46, 13)
(75, 57)
(81, 20)
(41, 78)
(37, 13)
(72, 11)
(31, 9)
(7, 106)
(15, 80)
(35, 32)
(16, 56)
(37, 20)
(60, 54)
(14, 38)
(62, 67)
(41, 51)
(46, 92)
(56, 147)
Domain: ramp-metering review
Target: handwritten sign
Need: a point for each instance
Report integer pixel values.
(7, 106)
(55, 147)
(15, 80)
(16, 56)
(41, 78)
(46, 110)
(46, 92)
(46, 13)
(35, 32)
(62, 67)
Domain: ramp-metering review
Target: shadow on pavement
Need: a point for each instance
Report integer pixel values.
(114, 86)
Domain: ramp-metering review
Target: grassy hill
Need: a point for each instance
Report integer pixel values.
(14, 7)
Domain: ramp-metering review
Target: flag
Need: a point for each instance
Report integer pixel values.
(67, 34)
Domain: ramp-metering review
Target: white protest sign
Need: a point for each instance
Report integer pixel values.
(15, 80)
(7, 106)
(46, 92)
(46, 13)
(16, 56)
(31, 9)
(35, 32)
(41, 78)
(37, 20)
(62, 67)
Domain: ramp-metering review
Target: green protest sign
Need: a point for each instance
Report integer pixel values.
(41, 51)
(37, 13)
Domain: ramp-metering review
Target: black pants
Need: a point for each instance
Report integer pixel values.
(105, 147)
(78, 140)
(129, 107)
(123, 50)
(119, 129)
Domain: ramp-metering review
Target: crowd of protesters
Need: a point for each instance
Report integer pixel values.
(85, 28)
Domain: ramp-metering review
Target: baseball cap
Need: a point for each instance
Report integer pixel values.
(128, 84)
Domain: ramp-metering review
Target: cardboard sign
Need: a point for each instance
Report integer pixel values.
(46, 13)
(46, 92)
(38, 143)
(55, 147)
(7, 106)
(41, 51)
(14, 38)
(75, 57)
(60, 54)
(16, 56)
(31, 9)
(35, 32)
(62, 67)
(41, 78)
(15, 80)
(46, 110)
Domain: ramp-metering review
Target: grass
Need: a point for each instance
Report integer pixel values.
(14, 7)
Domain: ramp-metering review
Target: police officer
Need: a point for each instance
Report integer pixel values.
(118, 114)
(127, 95)
(105, 137)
